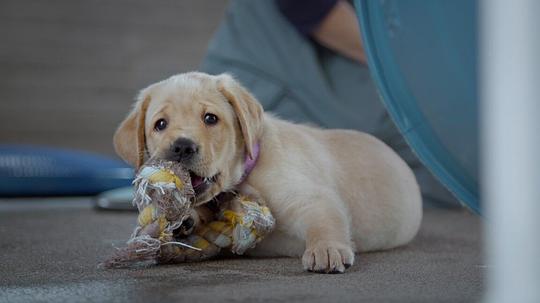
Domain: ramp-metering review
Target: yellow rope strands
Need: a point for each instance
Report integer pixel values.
(163, 195)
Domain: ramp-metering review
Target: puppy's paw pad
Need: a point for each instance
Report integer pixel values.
(328, 258)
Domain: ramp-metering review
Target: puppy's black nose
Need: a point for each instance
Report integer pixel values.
(184, 149)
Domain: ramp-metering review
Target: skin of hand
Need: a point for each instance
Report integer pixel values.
(340, 32)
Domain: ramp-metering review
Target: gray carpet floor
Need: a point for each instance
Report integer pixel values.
(50, 250)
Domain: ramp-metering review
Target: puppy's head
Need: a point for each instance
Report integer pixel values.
(207, 123)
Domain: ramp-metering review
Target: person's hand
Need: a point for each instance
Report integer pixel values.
(340, 32)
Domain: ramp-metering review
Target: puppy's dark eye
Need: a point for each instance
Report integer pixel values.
(210, 119)
(160, 125)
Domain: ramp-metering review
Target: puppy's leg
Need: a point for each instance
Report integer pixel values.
(327, 235)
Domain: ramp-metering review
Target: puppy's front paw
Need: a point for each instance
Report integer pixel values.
(328, 257)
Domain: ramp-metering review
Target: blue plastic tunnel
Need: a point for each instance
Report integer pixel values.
(423, 59)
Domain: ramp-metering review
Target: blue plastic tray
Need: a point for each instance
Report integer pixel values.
(423, 58)
(42, 171)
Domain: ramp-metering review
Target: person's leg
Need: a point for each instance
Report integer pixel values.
(299, 81)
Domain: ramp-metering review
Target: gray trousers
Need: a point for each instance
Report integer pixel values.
(300, 81)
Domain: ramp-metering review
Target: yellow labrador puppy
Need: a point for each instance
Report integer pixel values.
(332, 192)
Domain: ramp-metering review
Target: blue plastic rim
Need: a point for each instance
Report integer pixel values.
(423, 59)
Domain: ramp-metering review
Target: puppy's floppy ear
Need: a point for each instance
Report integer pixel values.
(129, 139)
(248, 110)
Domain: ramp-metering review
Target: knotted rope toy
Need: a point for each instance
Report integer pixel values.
(164, 196)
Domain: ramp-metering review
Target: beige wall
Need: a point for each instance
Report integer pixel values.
(69, 69)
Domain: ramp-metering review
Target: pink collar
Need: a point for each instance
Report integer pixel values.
(250, 162)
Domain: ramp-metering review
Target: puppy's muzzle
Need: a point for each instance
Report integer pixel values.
(183, 150)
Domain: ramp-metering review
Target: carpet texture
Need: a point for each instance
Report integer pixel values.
(50, 250)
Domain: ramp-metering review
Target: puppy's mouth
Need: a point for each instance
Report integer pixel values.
(201, 184)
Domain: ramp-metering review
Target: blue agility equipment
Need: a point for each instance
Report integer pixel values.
(43, 171)
(423, 56)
